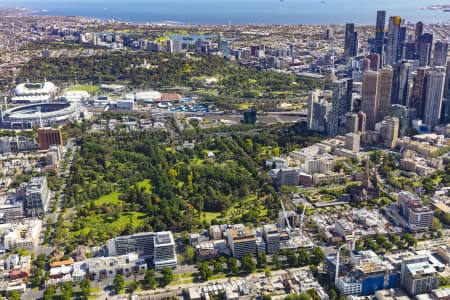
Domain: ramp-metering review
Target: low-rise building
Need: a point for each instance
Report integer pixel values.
(11, 211)
(344, 228)
(23, 236)
(330, 177)
(108, 267)
(418, 216)
(287, 176)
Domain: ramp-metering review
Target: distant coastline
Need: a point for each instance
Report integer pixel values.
(236, 12)
(442, 7)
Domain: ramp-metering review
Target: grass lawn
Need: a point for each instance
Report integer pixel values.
(218, 276)
(208, 216)
(99, 224)
(88, 88)
(146, 185)
(112, 198)
(197, 161)
(134, 218)
(184, 278)
(95, 289)
(244, 106)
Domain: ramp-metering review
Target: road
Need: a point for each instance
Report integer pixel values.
(179, 287)
(43, 249)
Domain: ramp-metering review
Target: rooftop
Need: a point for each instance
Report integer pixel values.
(421, 269)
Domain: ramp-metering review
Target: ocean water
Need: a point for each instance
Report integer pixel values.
(237, 11)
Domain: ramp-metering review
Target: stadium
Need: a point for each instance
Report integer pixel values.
(34, 92)
(27, 116)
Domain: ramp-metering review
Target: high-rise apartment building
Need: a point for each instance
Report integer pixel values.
(419, 31)
(319, 110)
(434, 92)
(440, 53)
(37, 196)
(401, 112)
(424, 47)
(389, 131)
(417, 105)
(369, 101)
(374, 61)
(341, 104)
(409, 50)
(351, 40)
(401, 81)
(353, 142)
(384, 93)
(446, 104)
(378, 43)
(393, 44)
(351, 122)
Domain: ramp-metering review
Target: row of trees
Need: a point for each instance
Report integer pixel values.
(248, 264)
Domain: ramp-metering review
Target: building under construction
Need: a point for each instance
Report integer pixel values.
(363, 273)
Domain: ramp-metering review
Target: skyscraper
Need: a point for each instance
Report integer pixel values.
(374, 61)
(417, 105)
(351, 40)
(435, 79)
(169, 46)
(381, 21)
(401, 112)
(365, 64)
(424, 49)
(409, 50)
(447, 81)
(384, 93)
(377, 45)
(417, 33)
(393, 44)
(446, 104)
(401, 79)
(401, 42)
(389, 131)
(341, 104)
(369, 101)
(319, 110)
(440, 53)
(362, 119)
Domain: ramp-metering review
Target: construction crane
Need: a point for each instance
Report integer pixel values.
(301, 219)
(286, 218)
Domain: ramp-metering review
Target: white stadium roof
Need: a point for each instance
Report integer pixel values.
(29, 89)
